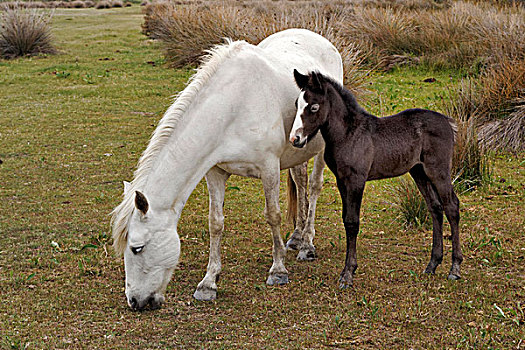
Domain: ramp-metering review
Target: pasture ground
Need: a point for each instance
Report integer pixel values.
(72, 127)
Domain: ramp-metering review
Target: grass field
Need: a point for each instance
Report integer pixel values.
(72, 127)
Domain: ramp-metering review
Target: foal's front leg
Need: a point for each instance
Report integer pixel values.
(351, 190)
(216, 181)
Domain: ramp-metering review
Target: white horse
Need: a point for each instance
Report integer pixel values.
(232, 118)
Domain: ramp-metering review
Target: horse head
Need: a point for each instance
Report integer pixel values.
(151, 254)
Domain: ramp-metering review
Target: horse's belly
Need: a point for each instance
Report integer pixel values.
(241, 169)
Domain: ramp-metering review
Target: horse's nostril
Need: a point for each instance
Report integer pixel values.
(133, 303)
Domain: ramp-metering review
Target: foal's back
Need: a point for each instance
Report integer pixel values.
(411, 137)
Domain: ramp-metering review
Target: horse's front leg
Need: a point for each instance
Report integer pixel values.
(351, 190)
(216, 180)
(270, 179)
(299, 175)
(307, 252)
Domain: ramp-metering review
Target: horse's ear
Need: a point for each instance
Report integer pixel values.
(127, 185)
(317, 80)
(141, 203)
(300, 80)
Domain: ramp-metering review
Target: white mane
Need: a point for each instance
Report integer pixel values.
(209, 65)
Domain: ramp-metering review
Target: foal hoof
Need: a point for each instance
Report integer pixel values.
(453, 277)
(205, 294)
(277, 279)
(306, 254)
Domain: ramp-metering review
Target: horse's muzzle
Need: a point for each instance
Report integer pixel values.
(154, 301)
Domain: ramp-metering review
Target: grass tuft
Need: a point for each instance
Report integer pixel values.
(25, 32)
(410, 204)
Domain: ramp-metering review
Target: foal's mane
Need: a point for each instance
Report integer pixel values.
(347, 96)
(209, 65)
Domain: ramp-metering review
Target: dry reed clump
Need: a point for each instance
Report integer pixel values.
(25, 32)
(459, 35)
(470, 165)
(493, 105)
(187, 31)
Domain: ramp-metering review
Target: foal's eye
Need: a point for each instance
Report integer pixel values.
(137, 250)
(314, 108)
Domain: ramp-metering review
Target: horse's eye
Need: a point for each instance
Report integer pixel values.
(137, 250)
(314, 108)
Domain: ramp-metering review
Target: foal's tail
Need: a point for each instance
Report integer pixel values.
(454, 127)
(291, 199)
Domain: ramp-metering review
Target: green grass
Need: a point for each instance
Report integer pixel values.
(72, 127)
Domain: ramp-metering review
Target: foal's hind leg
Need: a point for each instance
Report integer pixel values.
(443, 186)
(436, 211)
(216, 181)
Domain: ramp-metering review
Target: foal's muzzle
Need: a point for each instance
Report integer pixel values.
(298, 143)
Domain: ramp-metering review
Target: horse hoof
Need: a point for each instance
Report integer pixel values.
(205, 294)
(277, 279)
(429, 271)
(306, 255)
(454, 277)
(293, 244)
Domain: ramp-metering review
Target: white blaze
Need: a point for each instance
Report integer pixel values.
(297, 128)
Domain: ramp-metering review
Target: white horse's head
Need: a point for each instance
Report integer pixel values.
(152, 253)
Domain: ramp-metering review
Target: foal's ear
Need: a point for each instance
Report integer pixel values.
(141, 203)
(317, 80)
(300, 80)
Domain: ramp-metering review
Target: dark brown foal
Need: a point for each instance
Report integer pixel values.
(361, 147)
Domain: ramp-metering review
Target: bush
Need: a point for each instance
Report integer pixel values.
(25, 32)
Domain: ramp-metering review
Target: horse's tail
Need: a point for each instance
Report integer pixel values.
(291, 198)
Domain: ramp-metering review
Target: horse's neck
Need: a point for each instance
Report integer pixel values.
(182, 162)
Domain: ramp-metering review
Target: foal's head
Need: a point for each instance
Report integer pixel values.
(312, 107)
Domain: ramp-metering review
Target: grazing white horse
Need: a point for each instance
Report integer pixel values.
(232, 118)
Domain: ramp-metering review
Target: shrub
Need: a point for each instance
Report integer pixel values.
(117, 3)
(104, 4)
(78, 4)
(25, 32)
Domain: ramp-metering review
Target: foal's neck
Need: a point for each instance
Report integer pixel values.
(345, 116)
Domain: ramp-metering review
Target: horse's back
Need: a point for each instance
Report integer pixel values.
(304, 50)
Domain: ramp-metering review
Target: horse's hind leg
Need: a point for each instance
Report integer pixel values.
(436, 211)
(307, 252)
(443, 186)
(270, 178)
(299, 176)
(216, 180)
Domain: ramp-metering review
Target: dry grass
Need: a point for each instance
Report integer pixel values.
(25, 32)
(187, 31)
